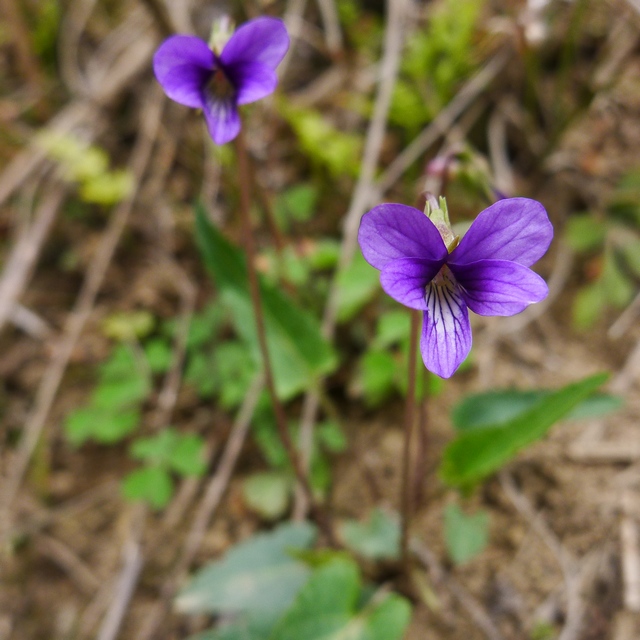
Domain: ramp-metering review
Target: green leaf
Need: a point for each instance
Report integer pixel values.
(378, 371)
(299, 354)
(154, 449)
(475, 454)
(338, 151)
(295, 204)
(108, 188)
(286, 265)
(159, 355)
(121, 393)
(465, 536)
(265, 434)
(631, 256)
(256, 576)
(149, 484)
(326, 609)
(121, 363)
(393, 328)
(588, 305)
(357, 284)
(201, 374)
(172, 450)
(187, 456)
(389, 619)
(128, 325)
(323, 254)
(617, 287)
(204, 326)
(377, 538)
(585, 233)
(325, 606)
(493, 408)
(123, 381)
(268, 493)
(331, 436)
(95, 423)
(235, 370)
(242, 628)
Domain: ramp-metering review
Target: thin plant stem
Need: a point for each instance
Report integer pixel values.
(422, 444)
(406, 492)
(254, 289)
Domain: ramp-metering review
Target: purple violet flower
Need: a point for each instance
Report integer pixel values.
(220, 78)
(423, 266)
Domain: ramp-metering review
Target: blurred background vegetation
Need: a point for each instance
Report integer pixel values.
(137, 444)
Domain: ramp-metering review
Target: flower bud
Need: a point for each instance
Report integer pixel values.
(221, 31)
(437, 212)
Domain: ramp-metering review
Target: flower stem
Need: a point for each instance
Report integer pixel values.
(254, 288)
(422, 445)
(406, 491)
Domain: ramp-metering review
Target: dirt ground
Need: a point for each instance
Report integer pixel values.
(564, 554)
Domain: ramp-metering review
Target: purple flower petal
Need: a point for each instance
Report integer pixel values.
(252, 80)
(391, 231)
(263, 40)
(499, 287)
(446, 332)
(223, 119)
(405, 280)
(182, 65)
(515, 229)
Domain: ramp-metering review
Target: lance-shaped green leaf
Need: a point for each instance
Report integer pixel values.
(299, 354)
(493, 408)
(475, 454)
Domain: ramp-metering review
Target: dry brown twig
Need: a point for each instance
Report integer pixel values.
(164, 20)
(393, 41)
(630, 554)
(69, 561)
(476, 611)
(292, 15)
(171, 385)
(49, 385)
(22, 260)
(569, 566)
(83, 113)
(213, 495)
(441, 123)
(331, 21)
(17, 28)
(500, 163)
(43, 519)
(74, 23)
(125, 585)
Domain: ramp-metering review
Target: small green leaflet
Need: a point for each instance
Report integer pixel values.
(268, 493)
(299, 353)
(150, 484)
(377, 538)
(465, 536)
(170, 449)
(357, 284)
(473, 455)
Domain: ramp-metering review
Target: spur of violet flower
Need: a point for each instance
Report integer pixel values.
(423, 266)
(217, 79)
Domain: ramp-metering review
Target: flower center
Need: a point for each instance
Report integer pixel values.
(444, 278)
(219, 87)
